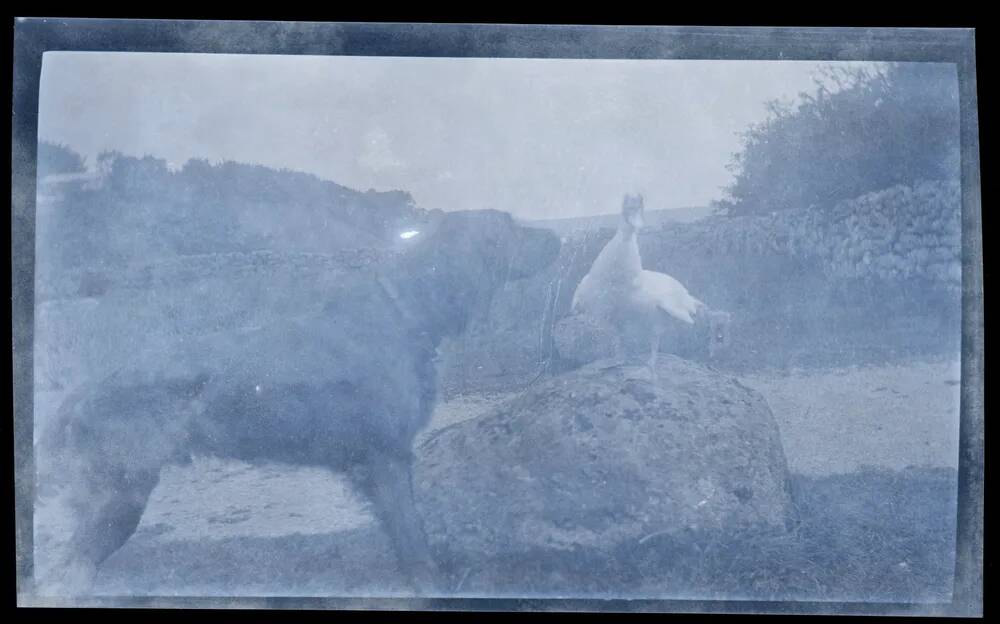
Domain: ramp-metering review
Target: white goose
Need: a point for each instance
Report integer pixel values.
(618, 292)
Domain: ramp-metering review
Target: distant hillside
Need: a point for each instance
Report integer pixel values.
(131, 211)
(655, 219)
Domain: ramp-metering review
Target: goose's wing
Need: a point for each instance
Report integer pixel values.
(668, 294)
(582, 293)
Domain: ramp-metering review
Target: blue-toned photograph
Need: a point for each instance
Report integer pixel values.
(531, 328)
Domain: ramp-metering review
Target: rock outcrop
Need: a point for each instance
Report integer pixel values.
(602, 456)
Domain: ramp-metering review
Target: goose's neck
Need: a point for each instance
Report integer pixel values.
(621, 255)
(627, 232)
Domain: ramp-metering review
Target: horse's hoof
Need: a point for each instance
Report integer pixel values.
(72, 579)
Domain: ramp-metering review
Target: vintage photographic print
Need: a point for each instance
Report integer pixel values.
(428, 315)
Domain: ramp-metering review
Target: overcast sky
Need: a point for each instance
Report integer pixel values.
(538, 138)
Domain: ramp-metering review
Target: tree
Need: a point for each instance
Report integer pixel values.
(862, 130)
(56, 159)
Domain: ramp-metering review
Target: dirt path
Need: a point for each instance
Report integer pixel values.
(890, 416)
(272, 500)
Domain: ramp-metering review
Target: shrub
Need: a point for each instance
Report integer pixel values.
(862, 131)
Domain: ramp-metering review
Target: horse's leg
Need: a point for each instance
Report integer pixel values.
(109, 508)
(387, 479)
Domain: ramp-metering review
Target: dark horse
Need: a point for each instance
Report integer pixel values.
(347, 390)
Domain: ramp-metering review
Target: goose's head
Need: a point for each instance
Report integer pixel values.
(632, 211)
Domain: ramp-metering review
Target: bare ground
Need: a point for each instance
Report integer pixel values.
(890, 416)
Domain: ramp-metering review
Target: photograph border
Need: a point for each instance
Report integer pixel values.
(35, 36)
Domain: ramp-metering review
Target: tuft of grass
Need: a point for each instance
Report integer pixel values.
(873, 535)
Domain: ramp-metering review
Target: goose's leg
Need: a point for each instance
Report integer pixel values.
(654, 349)
(617, 345)
(619, 355)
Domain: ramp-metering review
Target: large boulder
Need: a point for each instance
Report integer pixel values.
(602, 456)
